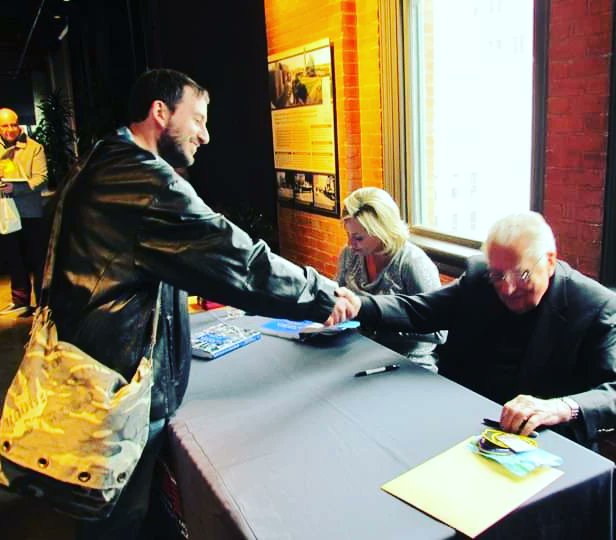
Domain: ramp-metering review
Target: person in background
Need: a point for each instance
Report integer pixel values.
(23, 175)
(380, 259)
(130, 223)
(300, 92)
(525, 330)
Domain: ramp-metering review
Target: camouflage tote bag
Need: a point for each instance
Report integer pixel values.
(72, 430)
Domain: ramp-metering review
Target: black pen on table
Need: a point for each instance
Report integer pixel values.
(374, 371)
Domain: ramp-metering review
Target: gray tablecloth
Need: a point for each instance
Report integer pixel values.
(280, 440)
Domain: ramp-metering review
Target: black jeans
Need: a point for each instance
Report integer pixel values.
(24, 252)
(128, 519)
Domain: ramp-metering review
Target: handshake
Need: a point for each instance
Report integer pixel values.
(347, 307)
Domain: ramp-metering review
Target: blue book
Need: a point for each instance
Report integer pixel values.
(286, 328)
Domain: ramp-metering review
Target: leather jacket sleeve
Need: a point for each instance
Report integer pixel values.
(188, 245)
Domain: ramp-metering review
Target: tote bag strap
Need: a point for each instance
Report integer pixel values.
(155, 319)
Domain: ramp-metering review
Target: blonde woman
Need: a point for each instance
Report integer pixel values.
(380, 259)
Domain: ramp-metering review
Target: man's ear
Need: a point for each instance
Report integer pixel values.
(160, 113)
(551, 258)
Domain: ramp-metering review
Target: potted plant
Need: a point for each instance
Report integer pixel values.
(55, 132)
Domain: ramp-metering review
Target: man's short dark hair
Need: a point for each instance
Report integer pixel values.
(166, 85)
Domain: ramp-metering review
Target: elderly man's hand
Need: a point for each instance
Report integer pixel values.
(523, 414)
(346, 307)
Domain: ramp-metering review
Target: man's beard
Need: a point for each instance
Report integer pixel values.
(170, 149)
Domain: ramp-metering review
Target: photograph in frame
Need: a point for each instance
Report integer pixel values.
(304, 128)
(298, 80)
(284, 182)
(304, 194)
(325, 192)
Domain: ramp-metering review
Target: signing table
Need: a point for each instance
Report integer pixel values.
(280, 440)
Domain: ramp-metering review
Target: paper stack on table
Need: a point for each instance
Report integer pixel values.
(467, 491)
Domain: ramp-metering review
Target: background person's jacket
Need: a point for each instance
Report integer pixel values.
(29, 163)
(129, 222)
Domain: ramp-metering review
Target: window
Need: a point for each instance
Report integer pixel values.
(471, 109)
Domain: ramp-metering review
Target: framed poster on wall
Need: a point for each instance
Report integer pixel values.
(301, 88)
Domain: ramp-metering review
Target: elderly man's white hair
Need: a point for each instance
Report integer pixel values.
(527, 226)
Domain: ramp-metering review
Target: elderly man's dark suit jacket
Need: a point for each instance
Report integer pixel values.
(572, 349)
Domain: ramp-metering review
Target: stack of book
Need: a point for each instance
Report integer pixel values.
(304, 329)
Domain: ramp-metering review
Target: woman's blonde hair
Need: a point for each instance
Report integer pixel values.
(379, 214)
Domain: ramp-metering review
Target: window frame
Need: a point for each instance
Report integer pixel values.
(449, 252)
(607, 271)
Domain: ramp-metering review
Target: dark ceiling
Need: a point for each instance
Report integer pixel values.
(29, 29)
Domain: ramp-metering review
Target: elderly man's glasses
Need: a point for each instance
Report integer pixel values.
(513, 277)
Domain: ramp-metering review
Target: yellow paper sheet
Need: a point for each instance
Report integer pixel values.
(466, 491)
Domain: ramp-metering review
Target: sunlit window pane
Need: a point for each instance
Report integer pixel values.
(472, 104)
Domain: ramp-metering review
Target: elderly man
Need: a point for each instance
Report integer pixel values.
(525, 330)
(23, 171)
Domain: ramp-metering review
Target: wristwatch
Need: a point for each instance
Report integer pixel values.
(573, 406)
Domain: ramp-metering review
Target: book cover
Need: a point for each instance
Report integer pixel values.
(219, 339)
(286, 328)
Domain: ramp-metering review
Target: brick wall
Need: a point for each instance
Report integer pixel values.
(352, 27)
(578, 94)
(576, 144)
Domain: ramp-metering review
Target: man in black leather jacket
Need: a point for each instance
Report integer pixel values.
(130, 222)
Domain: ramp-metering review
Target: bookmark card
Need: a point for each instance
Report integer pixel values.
(516, 443)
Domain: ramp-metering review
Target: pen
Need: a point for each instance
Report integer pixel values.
(374, 371)
(496, 425)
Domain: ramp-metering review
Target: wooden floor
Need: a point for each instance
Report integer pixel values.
(20, 518)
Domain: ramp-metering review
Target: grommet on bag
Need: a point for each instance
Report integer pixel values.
(122, 477)
(6, 446)
(84, 476)
(43, 463)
